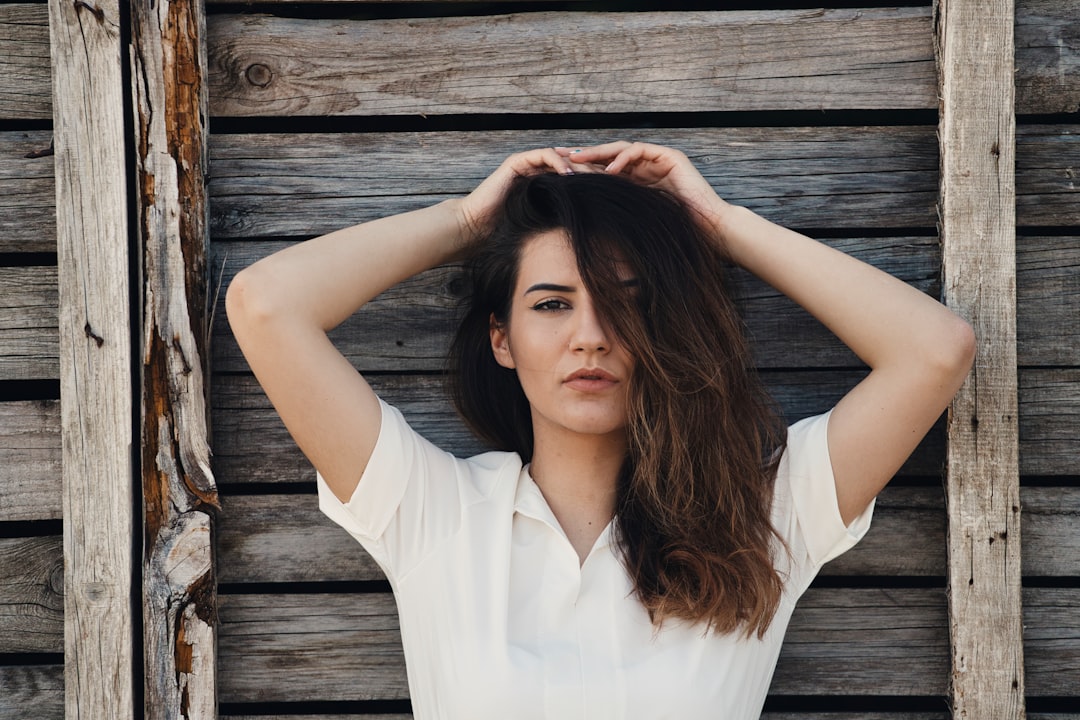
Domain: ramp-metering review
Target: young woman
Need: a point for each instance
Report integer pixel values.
(636, 548)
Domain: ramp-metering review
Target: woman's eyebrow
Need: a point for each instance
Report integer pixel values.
(548, 287)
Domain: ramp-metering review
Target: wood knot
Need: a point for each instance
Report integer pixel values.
(259, 75)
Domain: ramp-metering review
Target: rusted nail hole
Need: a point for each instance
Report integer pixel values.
(259, 75)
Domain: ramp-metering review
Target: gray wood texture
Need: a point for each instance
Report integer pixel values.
(179, 590)
(304, 184)
(974, 42)
(27, 190)
(647, 62)
(24, 62)
(95, 378)
(30, 472)
(841, 641)
(1047, 78)
(32, 595)
(31, 691)
(284, 538)
(28, 323)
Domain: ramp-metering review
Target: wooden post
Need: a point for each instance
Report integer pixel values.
(179, 492)
(95, 356)
(977, 142)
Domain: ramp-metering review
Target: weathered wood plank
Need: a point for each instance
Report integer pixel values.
(25, 92)
(30, 472)
(1049, 421)
(305, 184)
(32, 691)
(347, 647)
(95, 379)
(28, 323)
(841, 641)
(31, 595)
(1048, 300)
(168, 88)
(284, 538)
(410, 325)
(252, 445)
(648, 62)
(1047, 41)
(974, 43)
(27, 190)
(1047, 166)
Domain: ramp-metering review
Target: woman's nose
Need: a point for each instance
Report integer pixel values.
(589, 332)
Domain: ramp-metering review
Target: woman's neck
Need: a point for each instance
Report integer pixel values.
(577, 475)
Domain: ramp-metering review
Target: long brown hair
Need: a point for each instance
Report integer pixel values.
(694, 495)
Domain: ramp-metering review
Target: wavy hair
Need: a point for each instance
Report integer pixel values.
(694, 496)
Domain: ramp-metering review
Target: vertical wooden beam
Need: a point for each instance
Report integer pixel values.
(179, 492)
(974, 40)
(95, 356)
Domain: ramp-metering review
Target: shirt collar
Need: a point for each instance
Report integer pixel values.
(530, 502)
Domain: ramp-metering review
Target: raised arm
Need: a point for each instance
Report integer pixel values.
(919, 352)
(281, 308)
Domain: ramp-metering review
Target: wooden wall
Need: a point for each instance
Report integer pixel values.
(329, 114)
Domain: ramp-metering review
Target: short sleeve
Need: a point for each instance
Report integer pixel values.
(409, 497)
(806, 511)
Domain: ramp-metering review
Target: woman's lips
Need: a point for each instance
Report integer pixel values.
(590, 380)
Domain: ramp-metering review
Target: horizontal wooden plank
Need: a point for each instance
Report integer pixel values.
(1049, 421)
(647, 62)
(1047, 166)
(27, 190)
(840, 641)
(1048, 80)
(306, 184)
(1048, 299)
(25, 82)
(347, 647)
(31, 691)
(29, 303)
(284, 538)
(30, 480)
(409, 327)
(251, 444)
(31, 595)
(1047, 56)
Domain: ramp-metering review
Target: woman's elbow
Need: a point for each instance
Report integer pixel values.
(955, 353)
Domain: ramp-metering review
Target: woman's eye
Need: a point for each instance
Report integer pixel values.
(550, 305)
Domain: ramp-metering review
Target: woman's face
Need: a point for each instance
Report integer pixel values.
(571, 367)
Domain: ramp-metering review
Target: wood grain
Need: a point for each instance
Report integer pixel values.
(305, 184)
(28, 323)
(35, 691)
(95, 379)
(647, 62)
(31, 595)
(974, 42)
(1047, 56)
(286, 539)
(30, 471)
(27, 190)
(179, 493)
(841, 641)
(25, 91)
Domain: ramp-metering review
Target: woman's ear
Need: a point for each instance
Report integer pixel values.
(500, 343)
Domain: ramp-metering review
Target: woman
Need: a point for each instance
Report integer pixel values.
(638, 549)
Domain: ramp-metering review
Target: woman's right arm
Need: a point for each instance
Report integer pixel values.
(281, 308)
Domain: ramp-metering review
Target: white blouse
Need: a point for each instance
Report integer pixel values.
(498, 620)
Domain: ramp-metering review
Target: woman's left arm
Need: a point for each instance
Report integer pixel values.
(919, 352)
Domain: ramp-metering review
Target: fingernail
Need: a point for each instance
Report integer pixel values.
(575, 151)
(567, 171)
(608, 168)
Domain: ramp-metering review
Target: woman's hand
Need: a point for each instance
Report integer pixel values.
(478, 207)
(656, 166)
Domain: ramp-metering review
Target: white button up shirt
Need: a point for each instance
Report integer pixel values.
(498, 620)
